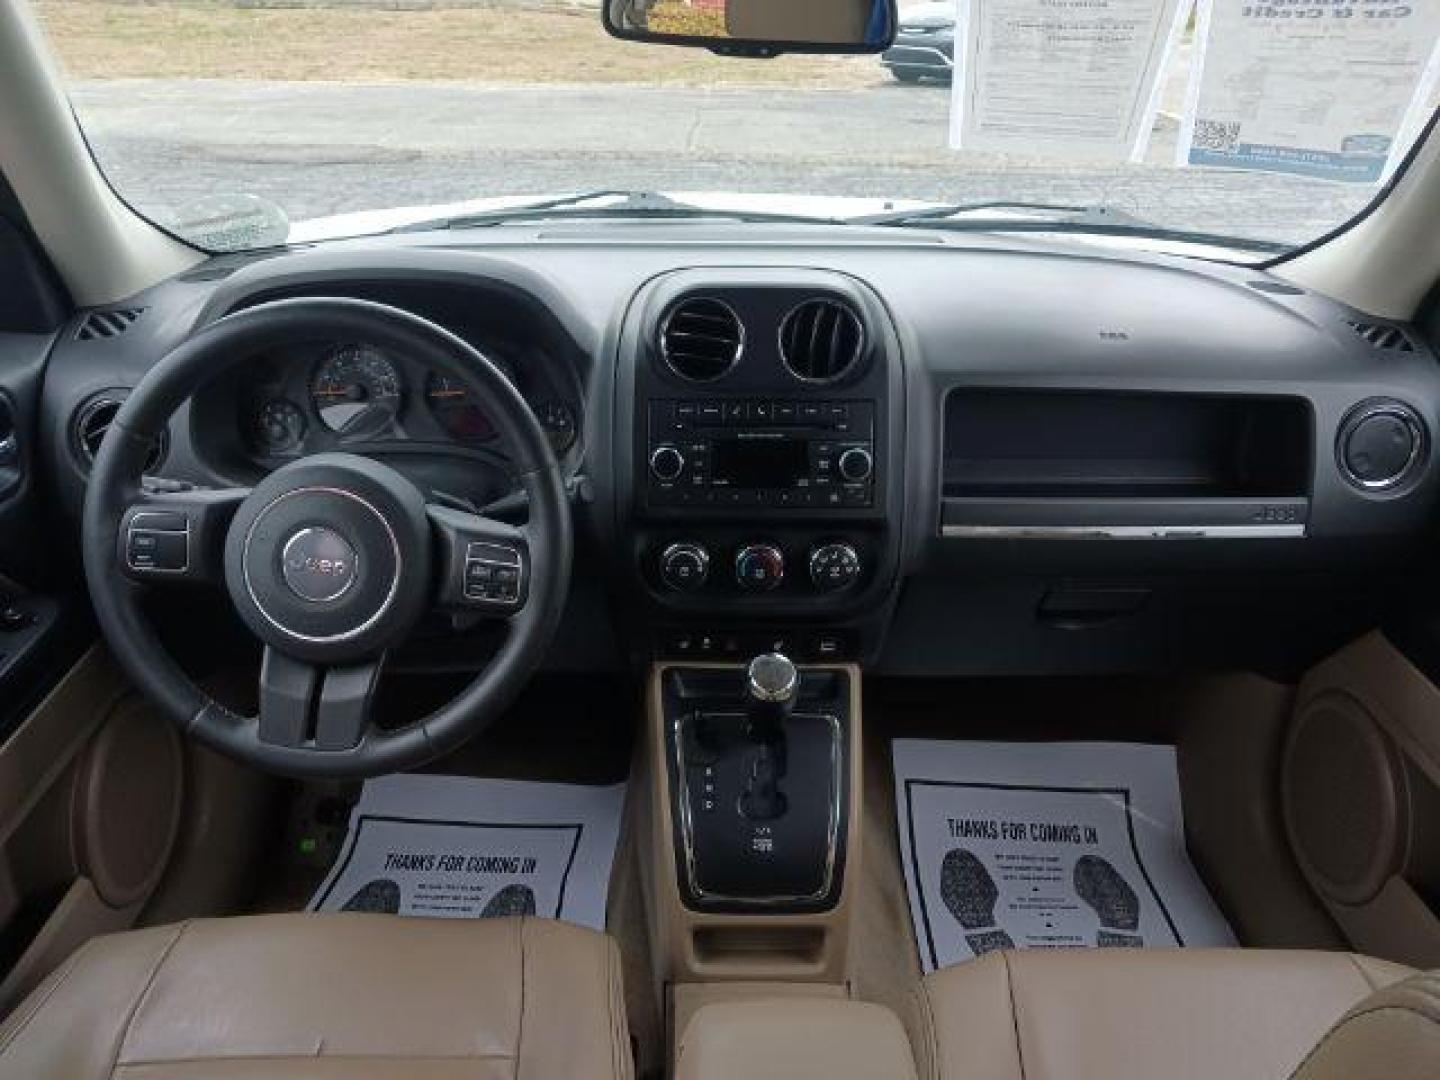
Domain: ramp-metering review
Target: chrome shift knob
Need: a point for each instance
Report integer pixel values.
(772, 679)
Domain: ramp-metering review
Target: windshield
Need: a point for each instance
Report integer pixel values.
(249, 123)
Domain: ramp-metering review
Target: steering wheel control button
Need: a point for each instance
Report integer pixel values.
(759, 567)
(667, 463)
(318, 564)
(493, 574)
(684, 566)
(157, 542)
(834, 567)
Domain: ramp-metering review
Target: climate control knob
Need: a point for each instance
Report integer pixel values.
(855, 464)
(684, 566)
(667, 463)
(759, 567)
(834, 567)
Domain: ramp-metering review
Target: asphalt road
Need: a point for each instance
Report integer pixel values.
(325, 148)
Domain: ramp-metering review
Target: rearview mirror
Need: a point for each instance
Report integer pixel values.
(757, 28)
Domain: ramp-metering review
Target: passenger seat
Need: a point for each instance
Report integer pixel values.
(1163, 1014)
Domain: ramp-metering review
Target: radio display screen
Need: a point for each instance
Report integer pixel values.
(759, 463)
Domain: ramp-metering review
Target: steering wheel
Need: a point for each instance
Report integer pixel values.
(330, 561)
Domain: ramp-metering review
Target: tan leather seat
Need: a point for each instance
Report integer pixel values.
(329, 996)
(1394, 1034)
(1138, 1014)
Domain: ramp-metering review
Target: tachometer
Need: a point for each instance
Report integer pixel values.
(456, 409)
(277, 426)
(356, 391)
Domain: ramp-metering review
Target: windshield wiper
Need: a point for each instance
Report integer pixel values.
(650, 205)
(1053, 218)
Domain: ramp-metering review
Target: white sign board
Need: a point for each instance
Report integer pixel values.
(1060, 78)
(1331, 89)
(461, 848)
(1046, 845)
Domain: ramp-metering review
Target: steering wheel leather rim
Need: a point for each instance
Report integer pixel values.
(115, 486)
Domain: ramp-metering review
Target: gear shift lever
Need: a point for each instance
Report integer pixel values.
(771, 683)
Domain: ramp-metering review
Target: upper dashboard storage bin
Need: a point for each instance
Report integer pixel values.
(1064, 463)
(1045, 443)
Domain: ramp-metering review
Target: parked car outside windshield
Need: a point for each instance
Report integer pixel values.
(924, 45)
(286, 120)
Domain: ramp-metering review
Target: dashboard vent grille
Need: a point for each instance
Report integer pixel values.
(92, 423)
(701, 338)
(821, 340)
(1381, 335)
(101, 325)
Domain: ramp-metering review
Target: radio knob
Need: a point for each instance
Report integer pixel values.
(855, 464)
(667, 463)
(834, 567)
(684, 566)
(759, 567)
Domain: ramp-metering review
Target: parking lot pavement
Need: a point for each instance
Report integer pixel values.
(323, 148)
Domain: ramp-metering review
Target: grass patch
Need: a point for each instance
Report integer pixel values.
(196, 40)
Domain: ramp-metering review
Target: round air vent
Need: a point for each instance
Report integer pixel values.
(1381, 444)
(821, 340)
(93, 420)
(701, 338)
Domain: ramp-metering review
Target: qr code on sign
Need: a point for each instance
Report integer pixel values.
(1221, 136)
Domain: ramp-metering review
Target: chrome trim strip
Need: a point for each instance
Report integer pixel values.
(1125, 532)
(837, 760)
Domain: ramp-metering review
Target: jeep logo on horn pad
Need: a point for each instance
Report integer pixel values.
(318, 564)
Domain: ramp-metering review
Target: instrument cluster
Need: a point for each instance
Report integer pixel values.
(353, 394)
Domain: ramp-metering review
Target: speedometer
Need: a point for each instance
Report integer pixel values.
(356, 391)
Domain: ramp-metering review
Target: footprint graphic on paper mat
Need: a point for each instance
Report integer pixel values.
(969, 893)
(1102, 887)
(381, 896)
(511, 900)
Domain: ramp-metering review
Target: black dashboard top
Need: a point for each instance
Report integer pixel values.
(577, 313)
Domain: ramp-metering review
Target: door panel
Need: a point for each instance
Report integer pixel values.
(1360, 788)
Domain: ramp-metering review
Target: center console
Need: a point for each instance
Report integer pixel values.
(765, 497)
(755, 808)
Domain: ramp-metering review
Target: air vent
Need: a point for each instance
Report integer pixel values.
(100, 325)
(701, 338)
(821, 340)
(1381, 335)
(94, 420)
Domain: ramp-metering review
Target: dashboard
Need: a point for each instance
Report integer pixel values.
(935, 454)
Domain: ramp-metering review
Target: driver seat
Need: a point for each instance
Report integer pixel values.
(318, 997)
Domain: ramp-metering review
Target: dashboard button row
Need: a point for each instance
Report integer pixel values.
(838, 416)
(823, 495)
(820, 645)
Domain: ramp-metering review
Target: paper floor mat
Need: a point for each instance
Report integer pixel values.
(462, 848)
(1046, 845)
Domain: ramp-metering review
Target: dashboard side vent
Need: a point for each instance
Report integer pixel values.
(821, 340)
(101, 325)
(93, 421)
(1382, 335)
(701, 338)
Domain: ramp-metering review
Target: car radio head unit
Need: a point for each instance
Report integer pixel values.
(782, 454)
